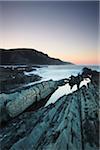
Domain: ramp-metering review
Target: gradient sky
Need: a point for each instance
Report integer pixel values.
(65, 30)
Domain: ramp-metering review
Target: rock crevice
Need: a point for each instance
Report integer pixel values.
(69, 124)
(15, 103)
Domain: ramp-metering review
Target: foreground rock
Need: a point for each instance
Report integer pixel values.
(13, 104)
(70, 124)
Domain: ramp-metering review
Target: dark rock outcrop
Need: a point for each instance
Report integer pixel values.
(75, 80)
(27, 56)
(12, 78)
(71, 123)
(93, 75)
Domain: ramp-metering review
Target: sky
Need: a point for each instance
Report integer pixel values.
(66, 29)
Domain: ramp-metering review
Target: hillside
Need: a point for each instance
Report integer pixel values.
(27, 56)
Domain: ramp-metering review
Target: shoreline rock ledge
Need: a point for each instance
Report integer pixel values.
(13, 104)
(71, 123)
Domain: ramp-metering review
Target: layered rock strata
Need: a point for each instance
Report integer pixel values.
(15, 103)
(70, 124)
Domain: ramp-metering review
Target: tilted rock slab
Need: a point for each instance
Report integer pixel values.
(17, 102)
(69, 124)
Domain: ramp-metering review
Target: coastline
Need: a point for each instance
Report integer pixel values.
(53, 124)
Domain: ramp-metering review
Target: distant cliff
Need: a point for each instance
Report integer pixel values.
(27, 56)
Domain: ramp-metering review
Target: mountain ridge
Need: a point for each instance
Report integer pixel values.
(24, 56)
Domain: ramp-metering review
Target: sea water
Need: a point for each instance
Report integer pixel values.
(57, 72)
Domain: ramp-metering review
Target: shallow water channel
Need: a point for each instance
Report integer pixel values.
(65, 90)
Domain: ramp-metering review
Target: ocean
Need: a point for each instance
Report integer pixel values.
(57, 72)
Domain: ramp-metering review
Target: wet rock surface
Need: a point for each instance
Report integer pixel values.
(72, 123)
(13, 104)
(12, 78)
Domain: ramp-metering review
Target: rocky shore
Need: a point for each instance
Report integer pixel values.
(13, 104)
(71, 123)
(14, 77)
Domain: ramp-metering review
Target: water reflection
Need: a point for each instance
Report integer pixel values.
(65, 90)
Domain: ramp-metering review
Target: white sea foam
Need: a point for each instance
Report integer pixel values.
(57, 72)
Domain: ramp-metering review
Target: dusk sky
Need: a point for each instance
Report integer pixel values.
(65, 30)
